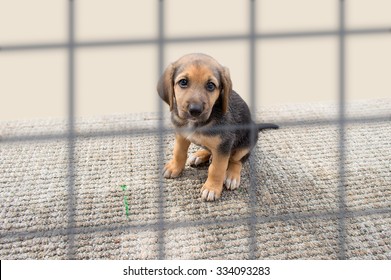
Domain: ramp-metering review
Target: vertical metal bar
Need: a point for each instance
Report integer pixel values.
(161, 247)
(342, 139)
(71, 129)
(252, 61)
(253, 163)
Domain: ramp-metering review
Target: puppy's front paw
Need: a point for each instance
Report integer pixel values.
(211, 192)
(172, 169)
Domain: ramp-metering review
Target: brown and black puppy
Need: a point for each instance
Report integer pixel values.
(199, 92)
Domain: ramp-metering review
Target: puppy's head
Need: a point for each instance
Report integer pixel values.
(193, 84)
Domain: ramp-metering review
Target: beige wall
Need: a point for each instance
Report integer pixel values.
(122, 79)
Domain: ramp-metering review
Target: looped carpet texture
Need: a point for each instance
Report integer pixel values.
(100, 195)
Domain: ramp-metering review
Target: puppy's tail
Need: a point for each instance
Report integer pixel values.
(262, 126)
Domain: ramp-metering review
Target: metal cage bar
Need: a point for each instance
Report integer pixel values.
(342, 139)
(161, 250)
(71, 130)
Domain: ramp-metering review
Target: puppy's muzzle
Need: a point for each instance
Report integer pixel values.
(195, 110)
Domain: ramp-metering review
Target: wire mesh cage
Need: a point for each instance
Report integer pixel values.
(318, 220)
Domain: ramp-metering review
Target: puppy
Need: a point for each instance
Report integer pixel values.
(199, 92)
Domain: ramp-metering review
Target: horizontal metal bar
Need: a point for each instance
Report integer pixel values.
(134, 132)
(243, 220)
(192, 39)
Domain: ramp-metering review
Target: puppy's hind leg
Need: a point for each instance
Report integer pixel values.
(199, 157)
(232, 176)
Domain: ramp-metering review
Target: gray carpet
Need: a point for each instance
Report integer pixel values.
(293, 212)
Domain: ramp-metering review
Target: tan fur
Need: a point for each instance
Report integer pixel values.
(232, 177)
(199, 157)
(174, 167)
(213, 186)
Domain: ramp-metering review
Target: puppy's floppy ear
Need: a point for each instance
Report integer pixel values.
(165, 86)
(226, 85)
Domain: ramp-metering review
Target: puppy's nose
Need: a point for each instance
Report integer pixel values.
(195, 109)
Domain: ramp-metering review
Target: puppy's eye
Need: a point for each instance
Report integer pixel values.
(182, 83)
(210, 86)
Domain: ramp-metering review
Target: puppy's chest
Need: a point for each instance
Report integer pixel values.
(207, 141)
